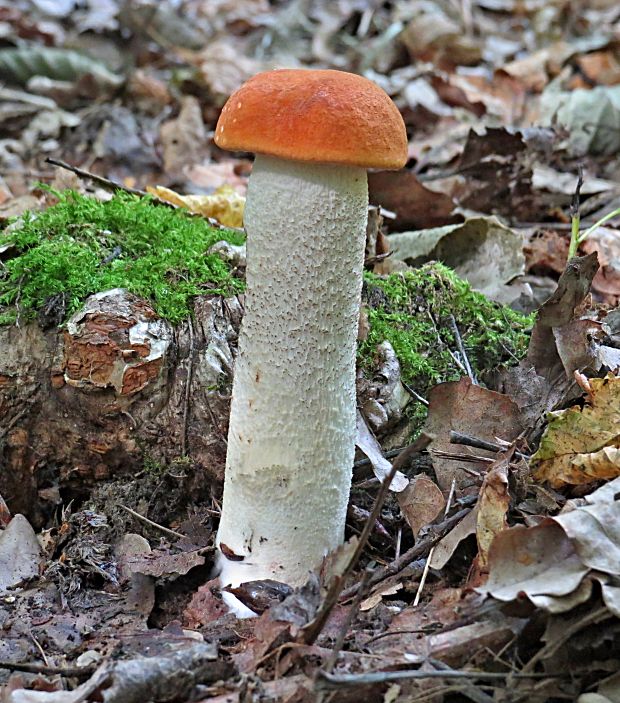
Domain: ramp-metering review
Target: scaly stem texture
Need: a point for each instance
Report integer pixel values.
(292, 425)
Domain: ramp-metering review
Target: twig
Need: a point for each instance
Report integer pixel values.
(461, 346)
(471, 690)
(427, 566)
(398, 633)
(41, 652)
(114, 186)
(103, 182)
(312, 630)
(388, 455)
(461, 364)
(418, 550)
(82, 672)
(331, 681)
(114, 254)
(161, 528)
(548, 650)
(13, 421)
(469, 441)
(441, 342)
(413, 394)
(371, 260)
(456, 456)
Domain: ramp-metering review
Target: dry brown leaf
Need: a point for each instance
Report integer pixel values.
(442, 146)
(538, 560)
(376, 597)
(558, 312)
(493, 504)
(415, 205)
(470, 409)
(421, 502)
(224, 67)
(224, 13)
(149, 92)
(533, 70)
(184, 138)
(481, 250)
(211, 175)
(503, 97)
(546, 250)
(436, 37)
(447, 546)
(162, 563)
(14, 207)
(605, 241)
(594, 528)
(337, 561)
(600, 67)
(548, 562)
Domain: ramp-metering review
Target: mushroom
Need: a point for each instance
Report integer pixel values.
(291, 438)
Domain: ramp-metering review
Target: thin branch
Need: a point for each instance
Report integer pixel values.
(82, 672)
(388, 455)
(471, 690)
(551, 648)
(161, 528)
(418, 550)
(414, 394)
(100, 180)
(331, 681)
(14, 420)
(427, 566)
(456, 456)
(461, 346)
(469, 441)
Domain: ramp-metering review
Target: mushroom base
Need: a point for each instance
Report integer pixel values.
(291, 438)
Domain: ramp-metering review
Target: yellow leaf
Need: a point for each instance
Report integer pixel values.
(493, 504)
(225, 205)
(581, 445)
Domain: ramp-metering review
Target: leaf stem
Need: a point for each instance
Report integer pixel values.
(598, 223)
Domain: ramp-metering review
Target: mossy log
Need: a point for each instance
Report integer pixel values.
(116, 386)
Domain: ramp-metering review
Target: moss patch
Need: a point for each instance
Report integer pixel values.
(82, 246)
(412, 311)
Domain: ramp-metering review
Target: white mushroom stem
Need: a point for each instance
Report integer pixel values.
(292, 423)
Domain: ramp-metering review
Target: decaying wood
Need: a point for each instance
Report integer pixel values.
(116, 385)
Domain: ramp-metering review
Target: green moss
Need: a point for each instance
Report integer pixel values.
(82, 246)
(412, 311)
(152, 466)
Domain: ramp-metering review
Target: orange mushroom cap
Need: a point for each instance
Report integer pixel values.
(314, 115)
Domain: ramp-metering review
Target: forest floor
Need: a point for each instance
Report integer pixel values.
(488, 357)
